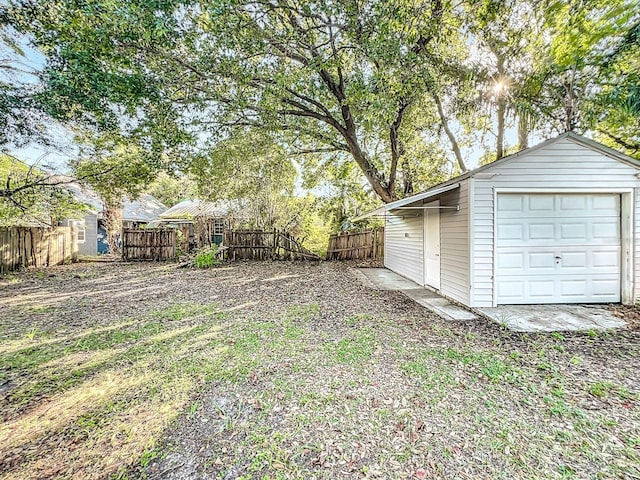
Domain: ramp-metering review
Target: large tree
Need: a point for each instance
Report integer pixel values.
(575, 76)
(262, 185)
(383, 85)
(338, 77)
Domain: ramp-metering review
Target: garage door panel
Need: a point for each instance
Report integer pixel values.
(570, 260)
(513, 204)
(539, 289)
(572, 288)
(540, 203)
(573, 231)
(558, 248)
(573, 204)
(511, 289)
(541, 231)
(542, 260)
(606, 259)
(574, 260)
(524, 290)
(511, 261)
(512, 232)
(606, 288)
(604, 202)
(606, 232)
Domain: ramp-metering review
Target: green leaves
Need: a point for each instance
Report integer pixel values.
(124, 171)
(339, 83)
(325, 75)
(30, 196)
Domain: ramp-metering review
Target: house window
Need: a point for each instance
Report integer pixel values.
(218, 226)
(80, 230)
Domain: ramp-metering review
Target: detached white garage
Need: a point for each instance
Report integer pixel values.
(556, 223)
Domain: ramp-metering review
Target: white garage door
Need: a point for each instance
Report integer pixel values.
(558, 248)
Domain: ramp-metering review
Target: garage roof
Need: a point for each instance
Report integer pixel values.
(453, 183)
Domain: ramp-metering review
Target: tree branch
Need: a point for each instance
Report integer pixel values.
(634, 147)
(393, 139)
(304, 111)
(46, 182)
(452, 138)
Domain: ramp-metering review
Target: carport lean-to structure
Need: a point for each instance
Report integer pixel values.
(555, 223)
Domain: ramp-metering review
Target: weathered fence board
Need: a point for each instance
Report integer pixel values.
(261, 245)
(208, 231)
(160, 244)
(22, 247)
(155, 244)
(356, 245)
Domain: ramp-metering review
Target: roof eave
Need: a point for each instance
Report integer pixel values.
(431, 193)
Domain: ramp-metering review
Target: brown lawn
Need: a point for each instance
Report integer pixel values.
(291, 370)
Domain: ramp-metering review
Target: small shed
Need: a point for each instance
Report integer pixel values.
(185, 214)
(555, 223)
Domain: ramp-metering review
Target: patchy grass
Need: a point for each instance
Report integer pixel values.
(104, 393)
(294, 371)
(608, 389)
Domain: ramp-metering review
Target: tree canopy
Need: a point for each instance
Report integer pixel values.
(342, 78)
(397, 89)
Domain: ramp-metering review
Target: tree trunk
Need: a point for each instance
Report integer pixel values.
(372, 176)
(502, 107)
(569, 99)
(523, 131)
(112, 219)
(447, 130)
(501, 111)
(407, 177)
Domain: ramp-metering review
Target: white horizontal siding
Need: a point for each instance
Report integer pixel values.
(562, 165)
(90, 245)
(454, 245)
(404, 245)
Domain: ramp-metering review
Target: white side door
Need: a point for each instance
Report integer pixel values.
(432, 245)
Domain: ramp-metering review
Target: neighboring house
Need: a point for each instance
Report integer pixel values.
(87, 226)
(184, 214)
(555, 223)
(91, 233)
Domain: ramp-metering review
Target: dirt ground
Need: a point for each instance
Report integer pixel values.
(293, 370)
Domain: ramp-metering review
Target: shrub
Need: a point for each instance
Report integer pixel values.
(206, 258)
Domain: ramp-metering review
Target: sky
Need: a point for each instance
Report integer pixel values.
(26, 63)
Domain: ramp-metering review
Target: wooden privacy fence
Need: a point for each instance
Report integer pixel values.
(22, 247)
(261, 245)
(356, 245)
(160, 244)
(155, 244)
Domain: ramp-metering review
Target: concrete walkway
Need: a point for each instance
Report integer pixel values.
(520, 318)
(553, 318)
(383, 279)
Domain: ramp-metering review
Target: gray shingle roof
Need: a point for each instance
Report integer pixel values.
(144, 209)
(189, 209)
